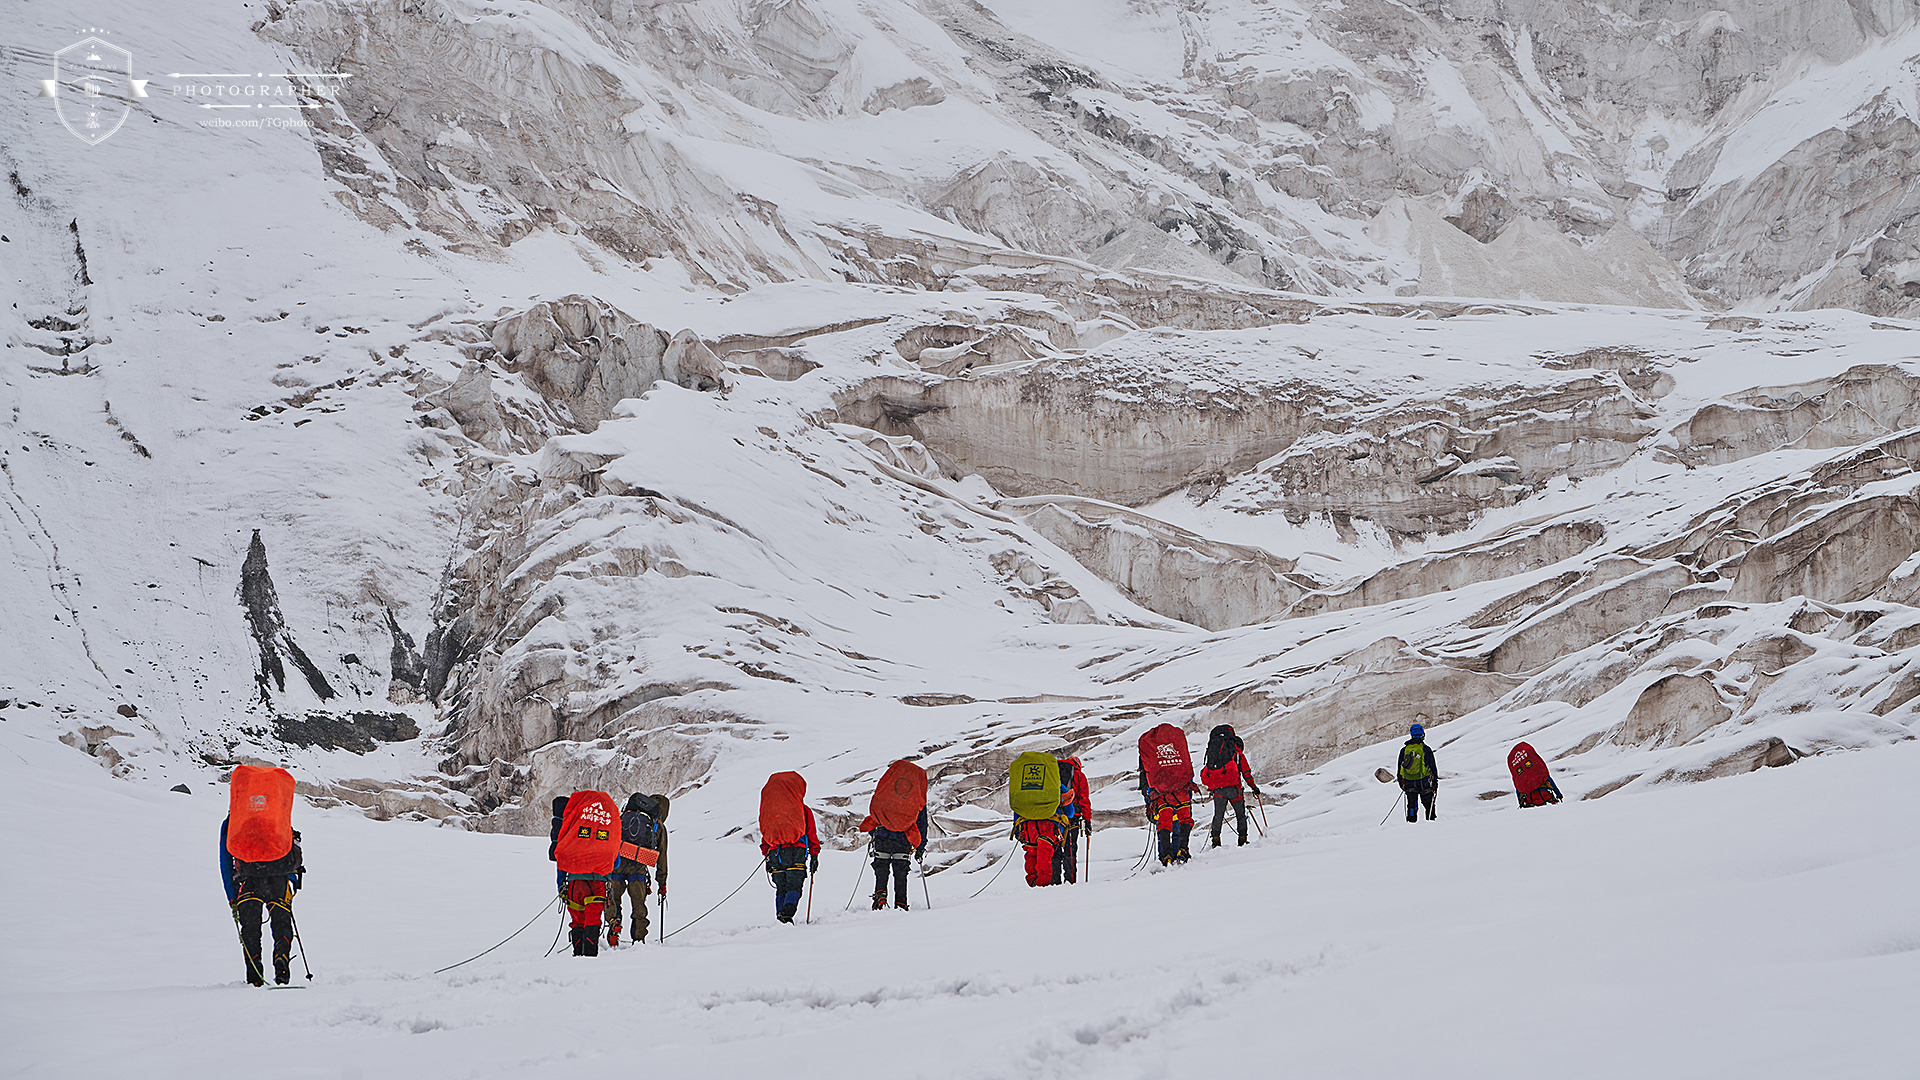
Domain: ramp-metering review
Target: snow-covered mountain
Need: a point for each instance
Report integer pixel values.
(601, 389)
(654, 395)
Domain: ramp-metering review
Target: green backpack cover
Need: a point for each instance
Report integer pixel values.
(1413, 762)
(1033, 786)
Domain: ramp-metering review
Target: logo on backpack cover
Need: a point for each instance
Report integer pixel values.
(258, 802)
(1169, 754)
(1033, 778)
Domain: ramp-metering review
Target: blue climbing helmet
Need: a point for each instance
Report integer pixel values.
(1417, 731)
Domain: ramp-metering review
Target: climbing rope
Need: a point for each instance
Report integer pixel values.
(716, 907)
(994, 878)
(509, 937)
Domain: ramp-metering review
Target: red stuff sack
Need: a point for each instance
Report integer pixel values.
(1163, 754)
(260, 814)
(589, 834)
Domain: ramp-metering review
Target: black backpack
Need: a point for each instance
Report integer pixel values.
(1223, 746)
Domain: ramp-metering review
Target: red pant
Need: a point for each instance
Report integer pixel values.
(585, 899)
(1041, 839)
(1170, 808)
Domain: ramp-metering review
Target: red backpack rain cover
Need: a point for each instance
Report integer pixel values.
(260, 814)
(898, 800)
(783, 819)
(1529, 772)
(589, 834)
(1163, 753)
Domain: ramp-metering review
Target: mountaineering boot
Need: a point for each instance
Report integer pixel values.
(1216, 839)
(591, 934)
(1243, 840)
(255, 974)
(282, 969)
(579, 943)
(613, 936)
(879, 901)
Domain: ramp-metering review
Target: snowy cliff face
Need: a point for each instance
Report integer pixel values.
(1690, 154)
(654, 395)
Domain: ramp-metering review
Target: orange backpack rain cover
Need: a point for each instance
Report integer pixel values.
(589, 834)
(898, 800)
(260, 814)
(783, 820)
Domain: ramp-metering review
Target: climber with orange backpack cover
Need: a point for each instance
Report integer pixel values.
(788, 840)
(585, 846)
(261, 865)
(897, 820)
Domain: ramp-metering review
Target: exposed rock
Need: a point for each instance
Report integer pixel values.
(357, 732)
(1165, 568)
(1860, 406)
(1837, 556)
(1588, 618)
(1674, 710)
(1501, 557)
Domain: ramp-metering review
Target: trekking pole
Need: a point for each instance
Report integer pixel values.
(296, 936)
(1260, 802)
(662, 939)
(1391, 809)
(810, 878)
(1088, 874)
(924, 891)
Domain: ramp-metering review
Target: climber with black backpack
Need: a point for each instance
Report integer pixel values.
(1222, 775)
(1418, 775)
(643, 844)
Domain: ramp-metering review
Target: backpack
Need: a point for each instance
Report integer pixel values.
(898, 800)
(260, 814)
(589, 840)
(640, 836)
(1164, 758)
(783, 818)
(1033, 786)
(1067, 767)
(1223, 746)
(1413, 762)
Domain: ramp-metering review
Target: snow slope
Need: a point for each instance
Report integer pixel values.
(1756, 926)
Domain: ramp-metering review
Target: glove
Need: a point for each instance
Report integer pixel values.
(663, 890)
(813, 863)
(920, 852)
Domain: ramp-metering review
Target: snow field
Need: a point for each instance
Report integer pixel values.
(1760, 925)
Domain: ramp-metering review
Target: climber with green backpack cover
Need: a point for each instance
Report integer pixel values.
(1418, 775)
(1033, 790)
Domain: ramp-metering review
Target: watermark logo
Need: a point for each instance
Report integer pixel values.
(93, 88)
